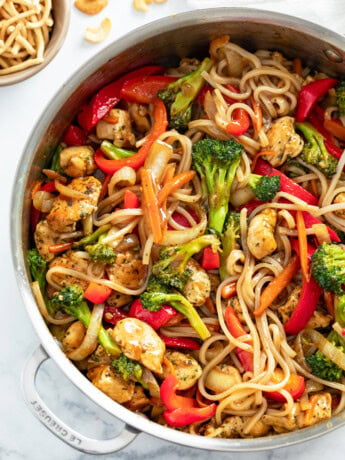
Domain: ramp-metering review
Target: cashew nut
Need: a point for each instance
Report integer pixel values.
(90, 6)
(141, 5)
(96, 35)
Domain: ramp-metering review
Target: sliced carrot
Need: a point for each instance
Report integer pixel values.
(303, 245)
(228, 290)
(314, 187)
(336, 128)
(329, 301)
(261, 154)
(110, 119)
(233, 323)
(56, 248)
(277, 285)
(210, 305)
(297, 66)
(150, 203)
(35, 188)
(218, 43)
(169, 173)
(174, 184)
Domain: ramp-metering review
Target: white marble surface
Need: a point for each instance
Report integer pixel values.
(22, 436)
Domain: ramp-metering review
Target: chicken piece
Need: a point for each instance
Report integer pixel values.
(140, 117)
(127, 270)
(321, 409)
(232, 427)
(105, 379)
(340, 198)
(284, 141)
(289, 306)
(222, 377)
(319, 319)
(45, 237)
(139, 401)
(99, 356)
(187, 369)
(74, 336)
(72, 261)
(198, 287)
(260, 240)
(140, 342)
(77, 161)
(118, 128)
(284, 424)
(118, 300)
(66, 212)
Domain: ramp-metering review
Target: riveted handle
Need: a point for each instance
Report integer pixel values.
(57, 426)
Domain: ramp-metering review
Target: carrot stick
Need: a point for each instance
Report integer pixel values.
(314, 187)
(233, 323)
(303, 245)
(277, 285)
(329, 301)
(297, 66)
(173, 185)
(210, 305)
(56, 248)
(260, 154)
(150, 202)
(228, 290)
(170, 172)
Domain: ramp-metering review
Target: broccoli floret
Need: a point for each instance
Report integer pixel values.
(230, 237)
(179, 96)
(38, 268)
(158, 294)
(328, 267)
(101, 253)
(339, 309)
(314, 151)
(340, 94)
(264, 187)
(323, 367)
(70, 299)
(127, 368)
(91, 238)
(216, 162)
(171, 269)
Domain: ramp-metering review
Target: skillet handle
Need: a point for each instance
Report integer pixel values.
(57, 426)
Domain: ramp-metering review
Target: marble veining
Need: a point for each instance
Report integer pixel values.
(22, 437)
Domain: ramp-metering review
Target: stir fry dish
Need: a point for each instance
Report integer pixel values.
(188, 247)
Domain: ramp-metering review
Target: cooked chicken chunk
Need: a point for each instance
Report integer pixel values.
(44, 238)
(236, 63)
(98, 357)
(233, 427)
(321, 409)
(139, 402)
(70, 260)
(319, 320)
(261, 241)
(117, 128)
(127, 270)
(283, 140)
(288, 423)
(198, 287)
(140, 117)
(66, 212)
(287, 309)
(340, 198)
(77, 161)
(140, 342)
(105, 378)
(222, 377)
(74, 336)
(118, 300)
(187, 369)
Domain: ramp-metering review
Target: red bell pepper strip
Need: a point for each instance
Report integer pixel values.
(74, 136)
(169, 397)
(182, 220)
(130, 200)
(310, 94)
(185, 416)
(97, 293)
(240, 122)
(251, 205)
(210, 259)
(113, 315)
(316, 119)
(333, 150)
(137, 160)
(295, 386)
(49, 187)
(295, 247)
(310, 220)
(305, 308)
(107, 97)
(144, 89)
(155, 319)
(286, 185)
(236, 330)
(35, 217)
(200, 99)
(180, 342)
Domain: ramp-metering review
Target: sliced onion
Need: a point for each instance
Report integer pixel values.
(321, 233)
(150, 383)
(325, 346)
(210, 106)
(128, 242)
(54, 175)
(90, 341)
(69, 192)
(126, 176)
(176, 237)
(43, 308)
(43, 201)
(158, 159)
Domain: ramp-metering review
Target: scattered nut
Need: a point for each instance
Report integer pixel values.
(97, 35)
(141, 5)
(90, 6)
